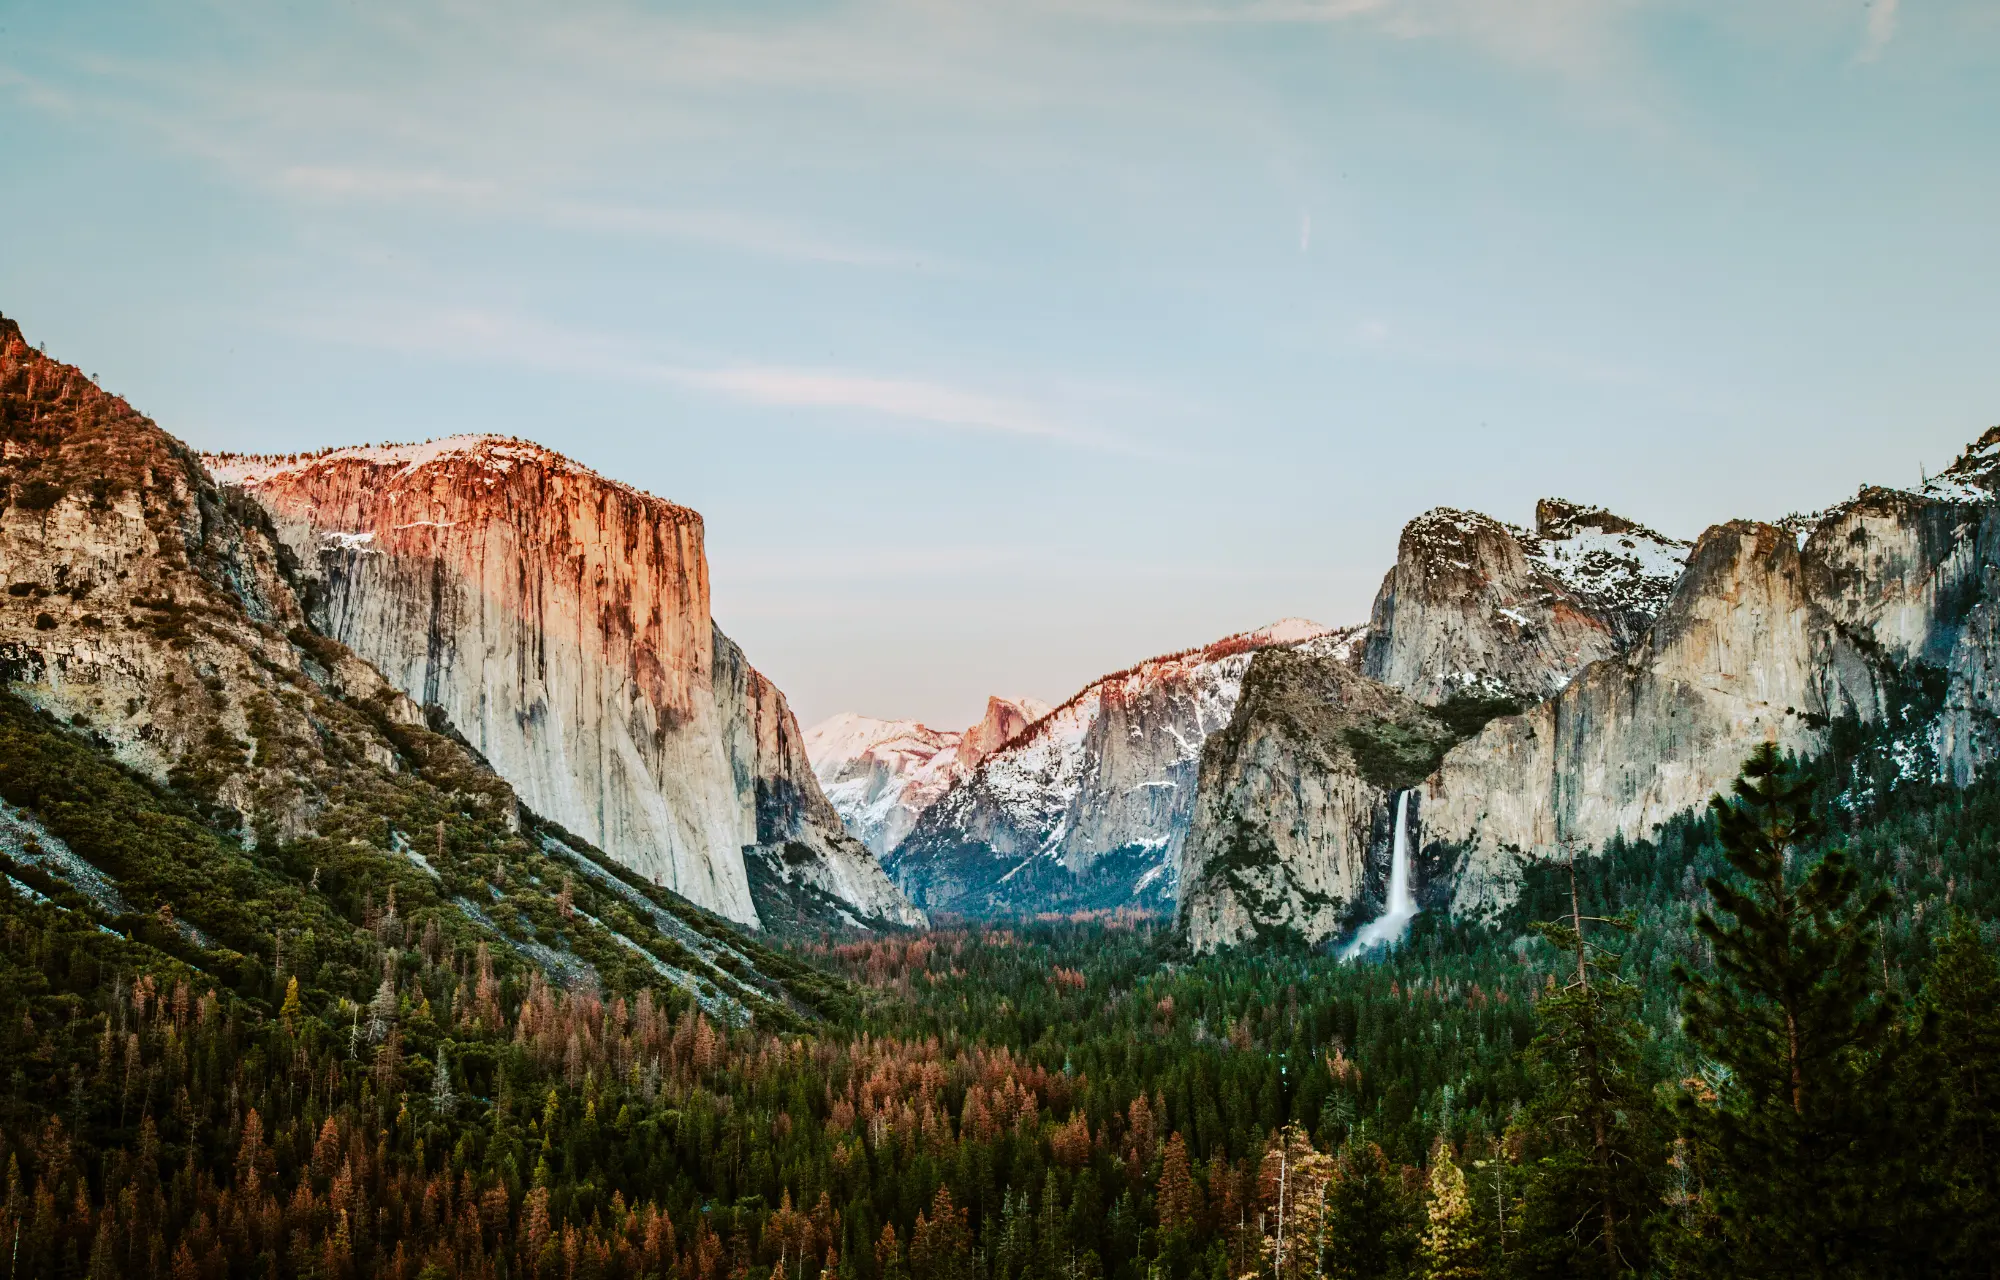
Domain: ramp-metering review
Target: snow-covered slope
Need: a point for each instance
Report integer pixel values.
(880, 774)
(1088, 808)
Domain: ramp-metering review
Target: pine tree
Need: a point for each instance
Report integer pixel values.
(1450, 1248)
(1177, 1197)
(1370, 1233)
(941, 1244)
(1292, 1184)
(1051, 1233)
(441, 1093)
(889, 1255)
(1956, 1071)
(1799, 1039)
(1594, 1142)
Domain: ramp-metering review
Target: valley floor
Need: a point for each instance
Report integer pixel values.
(1051, 1101)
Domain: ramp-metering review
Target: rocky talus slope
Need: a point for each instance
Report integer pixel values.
(154, 626)
(881, 774)
(560, 622)
(1087, 808)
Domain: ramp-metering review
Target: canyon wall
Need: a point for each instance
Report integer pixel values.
(560, 622)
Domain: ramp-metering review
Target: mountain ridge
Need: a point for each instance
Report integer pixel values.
(1084, 809)
(880, 774)
(1880, 611)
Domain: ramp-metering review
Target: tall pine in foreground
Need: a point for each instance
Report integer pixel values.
(1593, 1140)
(1800, 1122)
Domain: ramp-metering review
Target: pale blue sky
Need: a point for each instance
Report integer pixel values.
(1003, 344)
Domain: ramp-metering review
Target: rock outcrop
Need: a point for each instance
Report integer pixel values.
(157, 618)
(145, 605)
(560, 622)
(1476, 607)
(1880, 609)
(1088, 808)
(1649, 670)
(881, 774)
(1290, 831)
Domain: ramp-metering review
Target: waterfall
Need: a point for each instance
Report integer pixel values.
(1402, 904)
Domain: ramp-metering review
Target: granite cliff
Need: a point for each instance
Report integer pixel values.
(154, 626)
(1879, 610)
(1477, 607)
(1292, 806)
(1592, 680)
(559, 622)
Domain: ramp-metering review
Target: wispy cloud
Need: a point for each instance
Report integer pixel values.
(1246, 12)
(915, 402)
(905, 399)
(748, 233)
(1881, 29)
(341, 182)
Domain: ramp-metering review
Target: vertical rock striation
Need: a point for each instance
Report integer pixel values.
(560, 622)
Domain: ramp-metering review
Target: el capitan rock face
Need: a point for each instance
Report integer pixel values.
(158, 618)
(560, 622)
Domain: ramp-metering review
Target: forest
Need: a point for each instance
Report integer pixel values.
(1765, 1043)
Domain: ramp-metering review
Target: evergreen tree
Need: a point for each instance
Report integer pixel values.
(1369, 1231)
(1292, 1184)
(1178, 1202)
(1594, 1143)
(1051, 1234)
(941, 1244)
(1957, 1068)
(889, 1255)
(1451, 1241)
(1797, 1037)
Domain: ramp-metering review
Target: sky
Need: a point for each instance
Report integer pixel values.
(1003, 344)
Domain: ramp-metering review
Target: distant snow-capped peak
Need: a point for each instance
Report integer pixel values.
(880, 774)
